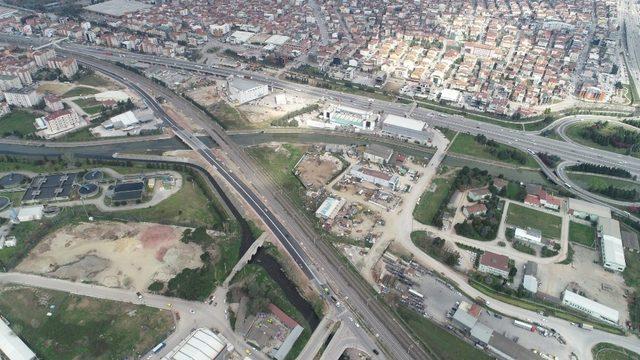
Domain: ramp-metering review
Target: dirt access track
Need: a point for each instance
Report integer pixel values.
(114, 254)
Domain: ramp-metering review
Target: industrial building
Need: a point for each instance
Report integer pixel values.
(27, 213)
(350, 117)
(202, 344)
(242, 90)
(586, 210)
(530, 280)
(117, 8)
(611, 244)
(128, 119)
(590, 307)
(129, 191)
(406, 128)
(53, 187)
(378, 154)
(329, 208)
(529, 235)
(12, 347)
(375, 177)
(495, 264)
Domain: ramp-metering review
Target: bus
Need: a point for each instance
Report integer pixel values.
(156, 349)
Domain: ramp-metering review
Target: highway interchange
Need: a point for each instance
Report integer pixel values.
(303, 249)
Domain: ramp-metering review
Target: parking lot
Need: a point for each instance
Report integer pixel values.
(440, 298)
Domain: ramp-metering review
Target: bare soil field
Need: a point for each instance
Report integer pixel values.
(206, 95)
(126, 255)
(317, 170)
(54, 87)
(267, 108)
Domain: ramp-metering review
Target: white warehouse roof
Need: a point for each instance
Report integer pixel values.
(593, 306)
(202, 344)
(12, 346)
(404, 122)
(329, 207)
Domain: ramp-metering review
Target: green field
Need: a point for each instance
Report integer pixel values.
(18, 122)
(94, 80)
(80, 91)
(230, 117)
(442, 344)
(190, 206)
(429, 202)
(82, 327)
(607, 351)
(279, 164)
(90, 105)
(589, 181)
(524, 217)
(573, 132)
(466, 144)
(582, 234)
(81, 135)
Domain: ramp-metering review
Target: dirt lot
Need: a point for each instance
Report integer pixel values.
(130, 255)
(316, 170)
(267, 109)
(54, 87)
(206, 95)
(602, 286)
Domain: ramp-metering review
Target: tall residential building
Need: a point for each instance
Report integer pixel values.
(25, 97)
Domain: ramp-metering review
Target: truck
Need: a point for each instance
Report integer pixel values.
(586, 326)
(156, 349)
(524, 325)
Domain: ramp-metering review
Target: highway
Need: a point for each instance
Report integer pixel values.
(394, 338)
(516, 138)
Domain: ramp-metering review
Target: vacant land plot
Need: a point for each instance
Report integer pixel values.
(607, 351)
(97, 81)
(430, 201)
(80, 91)
(279, 161)
(229, 117)
(466, 144)
(90, 105)
(582, 234)
(524, 217)
(574, 132)
(82, 327)
(18, 123)
(114, 254)
(317, 170)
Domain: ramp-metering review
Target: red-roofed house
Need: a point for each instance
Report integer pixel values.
(284, 318)
(475, 210)
(495, 264)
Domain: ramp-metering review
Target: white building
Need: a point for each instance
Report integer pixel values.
(406, 128)
(590, 307)
(450, 95)
(244, 90)
(611, 244)
(25, 97)
(530, 280)
(59, 122)
(528, 235)
(348, 116)
(121, 121)
(219, 30)
(12, 346)
(375, 177)
(329, 208)
(27, 213)
(240, 37)
(202, 344)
